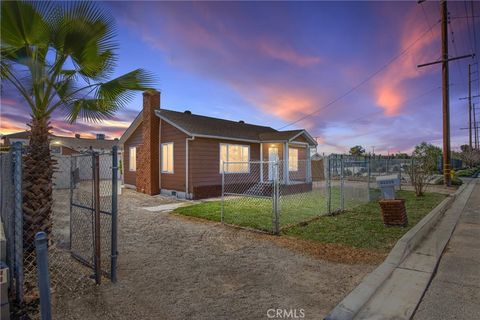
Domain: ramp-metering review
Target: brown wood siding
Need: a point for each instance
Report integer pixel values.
(134, 140)
(204, 155)
(175, 180)
(66, 151)
(301, 138)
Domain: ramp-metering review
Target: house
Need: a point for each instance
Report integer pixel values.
(181, 153)
(60, 145)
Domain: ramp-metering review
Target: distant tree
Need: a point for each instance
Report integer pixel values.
(423, 166)
(465, 148)
(470, 156)
(401, 155)
(357, 151)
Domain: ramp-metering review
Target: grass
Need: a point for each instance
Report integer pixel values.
(363, 227)
(257, 212)
(359, 226)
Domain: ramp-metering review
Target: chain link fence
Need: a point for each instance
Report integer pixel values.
(72, 226)
(275, 195)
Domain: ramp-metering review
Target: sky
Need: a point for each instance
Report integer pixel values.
(345, 71)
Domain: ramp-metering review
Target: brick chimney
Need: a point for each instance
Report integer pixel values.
(147, 177)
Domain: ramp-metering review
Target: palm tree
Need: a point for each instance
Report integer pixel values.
(59, 57)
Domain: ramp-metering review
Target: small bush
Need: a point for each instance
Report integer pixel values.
(455, 181)
(467, 172)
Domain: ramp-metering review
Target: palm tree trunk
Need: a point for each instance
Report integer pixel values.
(37, 183)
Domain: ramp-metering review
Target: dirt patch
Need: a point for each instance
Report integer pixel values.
(326, 251)
(333, 252)
(172, 268)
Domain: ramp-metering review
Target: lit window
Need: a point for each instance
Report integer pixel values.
(292, 159)
(132, 159)
(167, 157)
(236, 156)
(56, 149)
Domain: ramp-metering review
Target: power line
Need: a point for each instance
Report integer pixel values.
(403, 104)
(348, 92)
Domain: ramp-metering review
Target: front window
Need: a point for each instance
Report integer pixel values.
(292, 159)
(167, 157)
(236, 156)
(132, 159)
(56, 149)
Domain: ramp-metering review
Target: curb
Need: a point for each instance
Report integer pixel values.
(349, 307)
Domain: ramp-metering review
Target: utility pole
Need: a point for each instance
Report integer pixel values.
(470, 106)
(445, 95)
(475, 127)
(445, 90)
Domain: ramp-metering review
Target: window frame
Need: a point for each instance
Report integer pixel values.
(296, 161)
(162, 170)
(130, 159)
(220, 164)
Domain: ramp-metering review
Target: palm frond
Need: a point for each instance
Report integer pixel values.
(86, 33)
(23, 25)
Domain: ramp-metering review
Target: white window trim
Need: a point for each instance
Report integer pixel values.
(220, 157)
(289, 149)
(173, 158)
(129, 159)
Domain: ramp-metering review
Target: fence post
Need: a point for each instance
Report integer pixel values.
(114, 252)
(41, 247)
(96, 197)
(18, 231)
(369, 176)
(329, 185)
(342, 195)
(400, 174)
(223, 191)
(276, 195)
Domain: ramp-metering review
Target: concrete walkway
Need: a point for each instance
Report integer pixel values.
(398, 297)
(454, 292)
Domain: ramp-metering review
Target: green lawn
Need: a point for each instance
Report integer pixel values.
(363, 227)
(257, 212)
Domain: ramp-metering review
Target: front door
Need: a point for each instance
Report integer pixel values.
(272, 157)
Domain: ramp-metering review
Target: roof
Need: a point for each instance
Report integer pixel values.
(17, 135)
(316, 157)
(209, 127)
(203, 126)
(196, 125)
(280, 135)
(78, 144)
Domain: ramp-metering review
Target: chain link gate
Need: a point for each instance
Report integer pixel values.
(93, 211)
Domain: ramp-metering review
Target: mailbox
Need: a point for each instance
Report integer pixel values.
(387, 185)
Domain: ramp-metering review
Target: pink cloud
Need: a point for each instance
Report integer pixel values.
(287, 54)
(420, 46)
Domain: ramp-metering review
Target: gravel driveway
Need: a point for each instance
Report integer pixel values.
(175, 268)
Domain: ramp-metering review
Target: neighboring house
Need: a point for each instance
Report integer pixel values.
(180, 153)
(60, 145)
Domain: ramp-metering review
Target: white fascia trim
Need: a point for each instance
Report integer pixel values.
(135, 124)
(172, 123)
(309, 137)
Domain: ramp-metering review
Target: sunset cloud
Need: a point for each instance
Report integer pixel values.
(274, 64)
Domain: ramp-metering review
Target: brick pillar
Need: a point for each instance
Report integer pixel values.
(148, 160)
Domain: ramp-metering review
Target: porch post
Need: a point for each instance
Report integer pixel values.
(286, 178)
(309, 165)
(261, 162)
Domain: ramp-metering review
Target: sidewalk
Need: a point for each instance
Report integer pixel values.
(454, 292)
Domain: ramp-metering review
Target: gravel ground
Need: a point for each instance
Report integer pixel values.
(175, 268)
